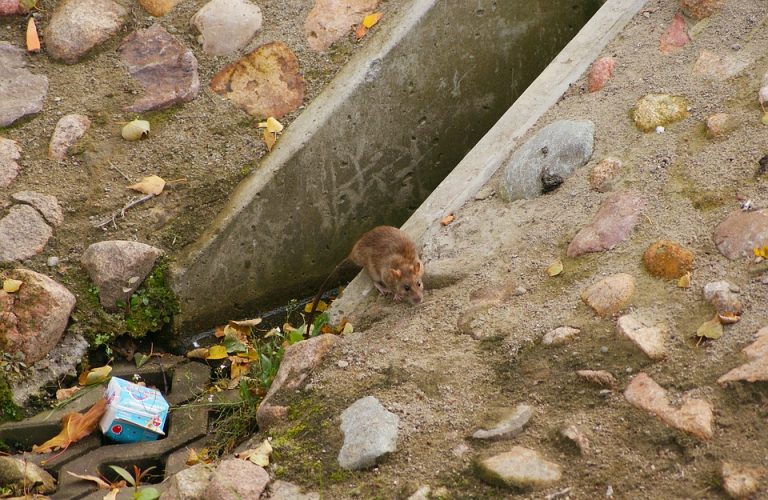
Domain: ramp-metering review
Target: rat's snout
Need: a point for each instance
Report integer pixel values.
(416, 299)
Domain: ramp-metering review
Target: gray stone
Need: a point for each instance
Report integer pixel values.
(33, 319)
(69, 129)
(720, 294)
(9, 169)
(21, 92)
(23, 234)
(298, 362)
(77, 26)
(694, 415)
(740, 481)
(236, 479)
(557, 149)
(189, 484)
(162, 65)
(23, 477)
(610, 294)
(117, 268)
(370, 431)
(47, 205)
(741, 232)
(611, 225)
(644, 333)
(519, 468)
(226, 26)
(560, 335)
(61, 361)
(510, 423)
(283, 490)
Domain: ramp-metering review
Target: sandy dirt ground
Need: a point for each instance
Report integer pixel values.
(442, 383)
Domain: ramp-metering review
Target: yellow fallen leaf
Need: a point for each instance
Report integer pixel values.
(217, 352)
(239, 367)
(11, 285)
(321, 306)
(95, 375)
(252, 355)
(348, 328)
(711, 329)
(370, 20)
(684, 281)
(272, 125)
(259, 455)
(447, 220)
(75, 426)
(33, 41)
(555, 268)
(196, 457)
(149, 185)
(270, 139)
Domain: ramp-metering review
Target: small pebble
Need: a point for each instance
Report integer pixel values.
(736, 47)
(660, 129)
(53, 261)
(604, 349)
(342, 364)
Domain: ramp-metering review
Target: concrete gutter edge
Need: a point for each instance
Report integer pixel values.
(477, 167)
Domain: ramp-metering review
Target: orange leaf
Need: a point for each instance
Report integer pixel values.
(361, 31)
(33, 41)
(75, 426)
(447, 220)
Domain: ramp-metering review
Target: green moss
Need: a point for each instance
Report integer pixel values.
(153, 305)
(8, 409)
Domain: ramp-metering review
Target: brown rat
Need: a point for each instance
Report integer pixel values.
(390, 258)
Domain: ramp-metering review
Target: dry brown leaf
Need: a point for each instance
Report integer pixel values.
(149, 185)
(599, 377)
(265, 82)
(63, 394)
(112, 495)
(447, 220)
(199, 353)
(33, 41)
(246, 322)
(240, 366)
(103, 485)
(74, 427)
(259, 455)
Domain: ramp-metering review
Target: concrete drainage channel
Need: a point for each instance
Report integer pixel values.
(388, 129)
(181, 382)
(225, 263)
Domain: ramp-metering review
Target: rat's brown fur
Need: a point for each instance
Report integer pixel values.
(390, 258)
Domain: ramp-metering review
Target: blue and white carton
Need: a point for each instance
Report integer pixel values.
(134, 412)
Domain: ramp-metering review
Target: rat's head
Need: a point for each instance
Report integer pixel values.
(405, 281)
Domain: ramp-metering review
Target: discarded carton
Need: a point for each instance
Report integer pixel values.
(134, 412)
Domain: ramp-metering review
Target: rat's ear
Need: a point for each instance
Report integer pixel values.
(395, 272)
(416, 267)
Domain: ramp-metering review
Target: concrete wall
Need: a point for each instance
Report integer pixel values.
(370, 148)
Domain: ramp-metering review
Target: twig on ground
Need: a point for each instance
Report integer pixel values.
(119, 171)
(121, 212)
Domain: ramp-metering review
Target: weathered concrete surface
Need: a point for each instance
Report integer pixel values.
(495, 147)
(370, 149)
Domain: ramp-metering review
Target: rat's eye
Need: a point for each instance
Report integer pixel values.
(407, 288)
(420, 285)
